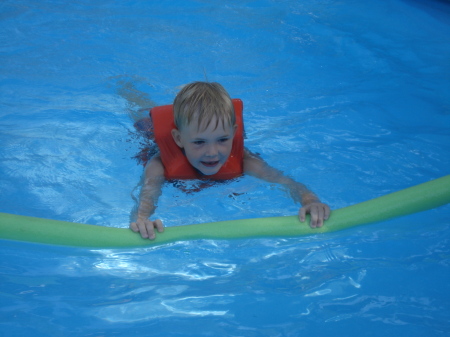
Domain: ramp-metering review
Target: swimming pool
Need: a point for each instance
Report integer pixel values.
(350, 98)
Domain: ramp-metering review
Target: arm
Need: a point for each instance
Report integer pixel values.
(150, 192)
(311, 204)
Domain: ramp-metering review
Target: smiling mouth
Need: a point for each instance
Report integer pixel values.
(210, 163)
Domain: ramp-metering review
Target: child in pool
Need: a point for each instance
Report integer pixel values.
(205, 122)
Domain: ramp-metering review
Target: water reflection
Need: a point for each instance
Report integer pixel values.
(214, 305)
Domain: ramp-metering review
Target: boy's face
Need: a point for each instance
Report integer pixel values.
(206, 149)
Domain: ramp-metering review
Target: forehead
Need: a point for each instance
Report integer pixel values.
(212, 124)
(215, 127)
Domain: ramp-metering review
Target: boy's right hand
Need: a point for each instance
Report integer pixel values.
(147, 227)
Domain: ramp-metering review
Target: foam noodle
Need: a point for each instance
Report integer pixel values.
(418, 198)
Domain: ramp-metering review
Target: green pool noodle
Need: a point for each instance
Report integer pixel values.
(418, 198)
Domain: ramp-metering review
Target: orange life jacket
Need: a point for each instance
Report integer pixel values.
(176, 165)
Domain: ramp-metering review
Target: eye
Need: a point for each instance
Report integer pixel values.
(198, 142)
(224, 140)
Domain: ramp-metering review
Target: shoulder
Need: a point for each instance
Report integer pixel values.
(253, 163)
(250, 155)
(154, 167)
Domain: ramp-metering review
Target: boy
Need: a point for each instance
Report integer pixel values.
(207, 142)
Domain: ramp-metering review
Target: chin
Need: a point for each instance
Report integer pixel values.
(211, 172)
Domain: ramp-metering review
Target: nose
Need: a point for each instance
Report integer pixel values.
(212, 150)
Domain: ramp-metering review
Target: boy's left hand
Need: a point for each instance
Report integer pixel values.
(318, 211)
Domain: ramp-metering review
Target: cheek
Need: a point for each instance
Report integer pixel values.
(226, 148)
(191, 151)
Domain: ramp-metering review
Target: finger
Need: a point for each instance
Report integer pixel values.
(143, 229)
(302, 214)
(320, 216)
(150, 230)
(159, 225)
(134, 227)
(327, 212)
(314, 218)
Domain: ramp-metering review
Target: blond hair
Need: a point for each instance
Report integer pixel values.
(203, 101)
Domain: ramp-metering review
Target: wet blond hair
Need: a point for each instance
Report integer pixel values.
(203, 101)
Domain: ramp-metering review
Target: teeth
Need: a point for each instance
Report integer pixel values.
(210, 163)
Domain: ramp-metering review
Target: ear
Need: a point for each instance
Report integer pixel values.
(177, 137)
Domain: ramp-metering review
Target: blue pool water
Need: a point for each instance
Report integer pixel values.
(349, 97)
